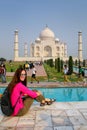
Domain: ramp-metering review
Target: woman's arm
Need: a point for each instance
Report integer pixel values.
(27, 91)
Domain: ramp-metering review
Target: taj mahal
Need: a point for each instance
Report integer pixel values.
(46, 46)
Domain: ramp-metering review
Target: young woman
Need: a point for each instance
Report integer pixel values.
(25, 96)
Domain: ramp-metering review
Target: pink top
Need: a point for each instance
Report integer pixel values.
(20, 88)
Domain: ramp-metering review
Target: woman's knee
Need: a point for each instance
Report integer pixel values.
(38, 92)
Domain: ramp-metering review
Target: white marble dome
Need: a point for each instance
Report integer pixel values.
(47, 33)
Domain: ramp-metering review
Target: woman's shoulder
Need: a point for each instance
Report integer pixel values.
(18, 85)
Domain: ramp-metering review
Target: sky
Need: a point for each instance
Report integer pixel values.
(64, 17)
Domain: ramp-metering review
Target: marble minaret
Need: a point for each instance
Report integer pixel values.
(25, 50)
(16, 51)
(80, 46)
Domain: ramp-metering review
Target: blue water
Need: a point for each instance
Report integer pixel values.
(63, 94)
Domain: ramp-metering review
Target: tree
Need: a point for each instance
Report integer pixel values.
(61, 63)
(51, 62)
(55, 63)
(70, 64)
(58, 65)
(76, 63)
(83, 63)
(2, 59)
(79, 63)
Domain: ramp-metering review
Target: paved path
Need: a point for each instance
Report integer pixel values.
(40, 71)
(51, 84)
(58, 116)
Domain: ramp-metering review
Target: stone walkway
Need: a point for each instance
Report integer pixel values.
(52, 84)
(58, 116)
(40, 71)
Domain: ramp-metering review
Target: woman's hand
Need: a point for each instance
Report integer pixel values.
(38, 93)
(25, 95)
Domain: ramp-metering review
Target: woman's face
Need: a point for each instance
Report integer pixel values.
(23, 75)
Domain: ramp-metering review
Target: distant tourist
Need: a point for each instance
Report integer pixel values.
(27, 66)
(3, 73)
(66, 70)
(4, 67)
(33, 76)
(31, 65)
(81, 72)
(84, 78)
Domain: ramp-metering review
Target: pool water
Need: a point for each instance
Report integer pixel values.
(63, 94)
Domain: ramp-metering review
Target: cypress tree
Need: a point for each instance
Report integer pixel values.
(55, 63)
(76, 63)
(61, 64)
(83, 63)
(70, 64)
(58, 65)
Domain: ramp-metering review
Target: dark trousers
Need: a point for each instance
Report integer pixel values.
(3, 78)
(27, 104)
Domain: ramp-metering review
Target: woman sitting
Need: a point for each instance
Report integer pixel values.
(17, 88)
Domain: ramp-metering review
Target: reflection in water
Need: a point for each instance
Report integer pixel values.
(68, 92)
(74, 94)
(63, 94)
(80, 93)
